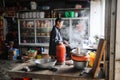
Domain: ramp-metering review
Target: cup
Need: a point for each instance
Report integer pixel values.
(76, 14)
(42, 14)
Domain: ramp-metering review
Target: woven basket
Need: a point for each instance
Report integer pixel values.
(32, 54)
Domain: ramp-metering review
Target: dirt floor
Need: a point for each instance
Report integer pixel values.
(6, 65)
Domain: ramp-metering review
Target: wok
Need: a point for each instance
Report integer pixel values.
(45, 63)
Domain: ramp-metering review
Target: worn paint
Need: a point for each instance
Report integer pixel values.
(118, 32)
(117, 57)
(117, 70)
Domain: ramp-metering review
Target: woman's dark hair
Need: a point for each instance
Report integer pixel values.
(58, 20)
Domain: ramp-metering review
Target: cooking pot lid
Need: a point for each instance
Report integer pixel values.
(83, 52)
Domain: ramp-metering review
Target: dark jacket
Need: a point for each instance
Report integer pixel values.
(55, 38)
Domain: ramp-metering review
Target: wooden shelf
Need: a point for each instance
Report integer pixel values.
(65, 9)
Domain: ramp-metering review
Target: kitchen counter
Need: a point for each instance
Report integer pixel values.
(63, 72)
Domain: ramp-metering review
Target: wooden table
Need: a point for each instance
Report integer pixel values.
(64, 72)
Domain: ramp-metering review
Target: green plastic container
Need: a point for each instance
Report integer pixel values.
(72, 14)
(69, 14)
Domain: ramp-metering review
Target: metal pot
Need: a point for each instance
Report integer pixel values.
(80, 64)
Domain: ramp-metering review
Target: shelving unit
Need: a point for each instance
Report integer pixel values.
(76, 24)
(35, 31)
